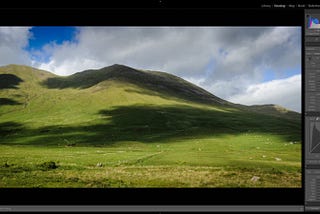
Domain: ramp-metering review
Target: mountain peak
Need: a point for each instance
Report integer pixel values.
(119, 66)
(164, 83)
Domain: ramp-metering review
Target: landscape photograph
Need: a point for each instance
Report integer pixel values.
(150, 107)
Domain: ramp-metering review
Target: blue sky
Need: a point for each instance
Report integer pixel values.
(269, 75)
(45, 35)
(234, 63)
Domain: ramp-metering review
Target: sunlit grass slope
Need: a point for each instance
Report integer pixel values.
(122, 127)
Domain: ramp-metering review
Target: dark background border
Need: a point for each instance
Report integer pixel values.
(155, 14)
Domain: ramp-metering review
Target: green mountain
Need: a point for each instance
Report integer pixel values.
(123, 100)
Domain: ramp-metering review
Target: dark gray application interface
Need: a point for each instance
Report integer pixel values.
(312, 109)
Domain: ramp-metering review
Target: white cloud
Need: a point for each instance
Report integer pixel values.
(13, 40)
(286, 92)
(275, 49)
(175, 50)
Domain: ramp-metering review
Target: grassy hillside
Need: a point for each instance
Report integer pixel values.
(122, 127)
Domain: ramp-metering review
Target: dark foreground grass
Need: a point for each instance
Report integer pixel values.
(150, 176)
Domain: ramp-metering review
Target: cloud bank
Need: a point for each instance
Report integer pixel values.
(272, 92)
(13, 40)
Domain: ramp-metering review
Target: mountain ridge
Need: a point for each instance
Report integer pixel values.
(156, 82)
(160, 82)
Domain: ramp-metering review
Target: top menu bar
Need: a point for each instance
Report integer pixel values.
(165, 4)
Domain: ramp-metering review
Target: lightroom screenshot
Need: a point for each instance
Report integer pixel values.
(160, 106)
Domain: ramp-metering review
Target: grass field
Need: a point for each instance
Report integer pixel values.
(120, 134)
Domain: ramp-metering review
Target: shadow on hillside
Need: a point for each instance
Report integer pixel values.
(149, 124)
(9, 81)
(9, 128)
(7, 101)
